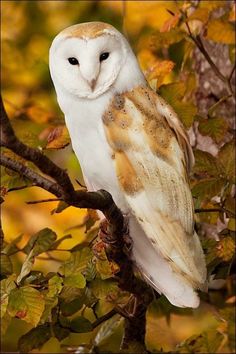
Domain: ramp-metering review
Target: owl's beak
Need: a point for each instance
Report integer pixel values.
(92, 83)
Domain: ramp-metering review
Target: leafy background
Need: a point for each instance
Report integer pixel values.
(39, 275)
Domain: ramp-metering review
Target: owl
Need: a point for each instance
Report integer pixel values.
(130, 142)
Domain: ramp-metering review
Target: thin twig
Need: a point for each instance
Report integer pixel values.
(199, 43)
(104, 318)
(232, 71)
(215, 210)
(44, 200)
(20, 188)
(215, 105)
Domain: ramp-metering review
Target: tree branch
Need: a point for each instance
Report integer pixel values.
(33, 176)
(215, 210)
(104, 318)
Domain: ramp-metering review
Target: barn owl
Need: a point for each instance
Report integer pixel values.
(130, 142)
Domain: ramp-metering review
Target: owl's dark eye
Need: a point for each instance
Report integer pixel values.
(73, 61)
(104, 56)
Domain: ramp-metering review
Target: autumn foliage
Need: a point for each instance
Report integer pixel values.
(59, 287)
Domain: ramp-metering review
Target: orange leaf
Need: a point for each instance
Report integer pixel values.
(170, 23)
(58, 138)
(38, 114)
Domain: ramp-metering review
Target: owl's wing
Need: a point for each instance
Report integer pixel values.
(152, 155)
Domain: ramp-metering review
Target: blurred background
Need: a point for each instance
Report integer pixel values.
(27, 30)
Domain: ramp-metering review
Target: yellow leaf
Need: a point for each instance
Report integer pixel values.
(232, 224)
(143, 13)
(154, 68)
(27, 304)
(221, 31)
(200, 14)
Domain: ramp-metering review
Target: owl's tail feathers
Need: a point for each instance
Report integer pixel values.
(158, 273)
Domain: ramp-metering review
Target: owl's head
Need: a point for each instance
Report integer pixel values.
(86, 59)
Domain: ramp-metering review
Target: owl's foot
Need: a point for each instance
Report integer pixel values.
(107, 237)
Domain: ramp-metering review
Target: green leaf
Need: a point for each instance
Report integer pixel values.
(90, 271)
(27, 266)
(209, 246)
(81, 325)
(34, 339)
(51, 297)
(102, 288)
(215, 127)
(54, 286)
(75, 280)
(77, 262)
(208, 188)
(226, 157)
(6, 266)
(107, 329)
(174, 93)
(27, 304)
(11, 247)
(73, 299)
(50, 303)
(41, 241)
(205, 163)
(7, 285)
(221, 31)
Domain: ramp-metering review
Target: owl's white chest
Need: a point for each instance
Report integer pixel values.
(84, 122)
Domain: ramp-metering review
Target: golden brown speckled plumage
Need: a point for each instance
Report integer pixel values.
(87, 30)
(151, 158)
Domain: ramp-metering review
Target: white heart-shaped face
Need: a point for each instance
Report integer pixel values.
(87, 67)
